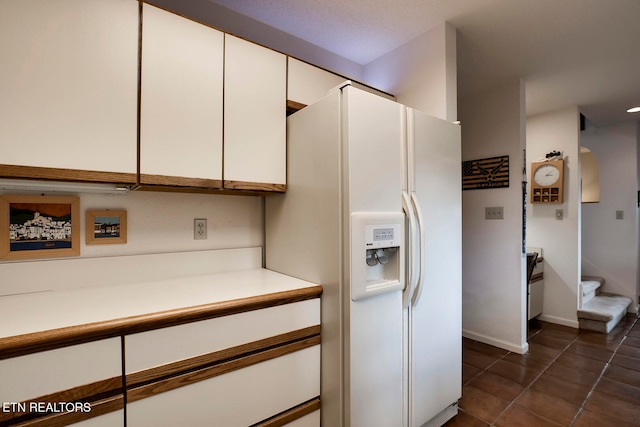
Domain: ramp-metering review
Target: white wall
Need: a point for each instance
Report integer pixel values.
(421, 73)
(494, 267)
(610, 245)
(163, 222)
(559, 239)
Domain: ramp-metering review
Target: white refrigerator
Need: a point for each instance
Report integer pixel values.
(372, 212)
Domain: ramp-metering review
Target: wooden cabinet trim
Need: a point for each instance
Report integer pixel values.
(254, 186)
(178, 181)
(293, 106)
(290, 415)
(99, 406)
(191, 377)
(20, 345)
(71, 175)
(148, 375)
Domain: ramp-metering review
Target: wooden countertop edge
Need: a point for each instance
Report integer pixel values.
(20, 345)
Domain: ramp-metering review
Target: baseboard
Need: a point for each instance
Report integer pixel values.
(516, 348)
(559, 320)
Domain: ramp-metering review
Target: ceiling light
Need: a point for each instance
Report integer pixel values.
(633, 110)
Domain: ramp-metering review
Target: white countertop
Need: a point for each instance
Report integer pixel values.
(42, 311)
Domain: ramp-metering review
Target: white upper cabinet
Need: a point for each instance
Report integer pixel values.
(69, 84)
(181, 101)
(254, 117)
(307, 84)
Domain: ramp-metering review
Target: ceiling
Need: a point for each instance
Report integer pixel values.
(569, 52)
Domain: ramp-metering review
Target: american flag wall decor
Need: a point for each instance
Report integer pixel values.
(492, 172)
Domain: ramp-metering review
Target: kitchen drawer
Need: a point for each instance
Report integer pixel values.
(112, 419)
(46, 372)
(309, 420)
(83, 373)
(238, 398)
(159, 347)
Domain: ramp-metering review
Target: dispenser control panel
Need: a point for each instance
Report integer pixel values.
(382, 236)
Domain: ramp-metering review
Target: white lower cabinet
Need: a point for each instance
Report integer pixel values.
(309, 420)
(234, 370)
(112, 419)
(39, 374)
(239, 398)
(52, 378)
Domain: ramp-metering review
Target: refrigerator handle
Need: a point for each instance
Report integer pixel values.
(415, 299)
(412, 278)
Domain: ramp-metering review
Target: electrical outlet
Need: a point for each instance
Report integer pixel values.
(495, 212)
(200, 229)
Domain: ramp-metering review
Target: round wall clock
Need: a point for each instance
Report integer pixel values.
(546, 175)
(547, 181)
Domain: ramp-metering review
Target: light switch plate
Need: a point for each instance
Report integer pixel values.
(495, 212)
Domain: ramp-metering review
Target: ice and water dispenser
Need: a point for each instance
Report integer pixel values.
(377, 253)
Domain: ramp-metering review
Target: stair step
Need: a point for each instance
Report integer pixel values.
(603, 312)
(589, 290)
(590, 287)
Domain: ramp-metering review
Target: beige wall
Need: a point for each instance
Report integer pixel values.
(558, 238)
(493, 292)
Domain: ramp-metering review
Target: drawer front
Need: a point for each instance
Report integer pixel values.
(113, 419)
(39, 374)
(239, 398)
(309, 420)
(154, 348)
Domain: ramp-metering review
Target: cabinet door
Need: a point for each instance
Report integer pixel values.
(69, 87)
(254, 117)
(181, 110)
(306, 84)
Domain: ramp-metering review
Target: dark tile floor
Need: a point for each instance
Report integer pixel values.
(569, 377)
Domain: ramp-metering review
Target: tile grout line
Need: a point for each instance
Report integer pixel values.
(513, 401)
(604, 369)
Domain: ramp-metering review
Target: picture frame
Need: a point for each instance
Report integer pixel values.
(105, 227)
(39, 226)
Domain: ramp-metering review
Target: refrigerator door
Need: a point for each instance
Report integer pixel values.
(371, 176)
(434, 321)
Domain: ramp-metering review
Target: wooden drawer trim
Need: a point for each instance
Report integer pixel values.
(154, 374)
(178, 181)
(537, 277)
(20, 345)
(191, 377)
(60, 174)
(104, 396)
(290, 415)
(254, 186)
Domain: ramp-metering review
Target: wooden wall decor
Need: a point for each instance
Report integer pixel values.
(106, 226)
(39, 226)
(492, 172)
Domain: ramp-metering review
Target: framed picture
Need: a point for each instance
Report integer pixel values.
(39, 226)
(106, 226)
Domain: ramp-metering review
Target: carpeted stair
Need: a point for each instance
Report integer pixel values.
(600, 311)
